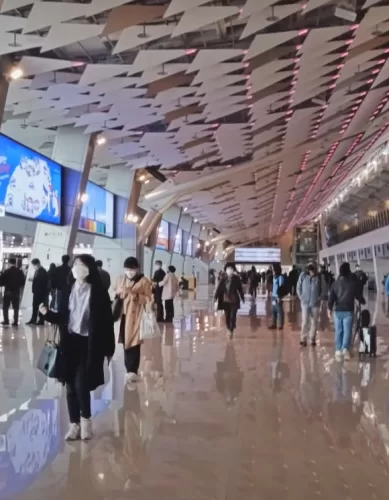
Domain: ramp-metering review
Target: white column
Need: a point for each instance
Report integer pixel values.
(376, 271)
(336, 265)
(74, 150)
(113, 251)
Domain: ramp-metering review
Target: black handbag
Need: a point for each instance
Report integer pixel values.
(117, 308)
(49, 362)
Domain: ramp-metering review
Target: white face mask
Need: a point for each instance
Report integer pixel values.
(229, 271)
(130, 273)
(157, 267)
(80, 272)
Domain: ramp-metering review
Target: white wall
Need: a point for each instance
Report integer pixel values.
(147, 261)
(178, 263)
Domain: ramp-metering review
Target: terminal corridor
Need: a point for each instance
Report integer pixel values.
(212, 419)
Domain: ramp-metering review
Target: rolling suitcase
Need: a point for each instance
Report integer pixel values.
(367, 336)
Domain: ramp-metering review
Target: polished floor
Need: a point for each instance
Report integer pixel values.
(254, 418)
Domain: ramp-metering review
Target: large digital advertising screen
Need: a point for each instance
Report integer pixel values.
(163, 236)
(260, 255)
(178, 242)
(97, 214)
(30, 183)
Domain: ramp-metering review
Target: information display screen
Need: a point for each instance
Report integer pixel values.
(30, 183)
(178, 242)
(163, 236)
(260, 255)
(97, 214)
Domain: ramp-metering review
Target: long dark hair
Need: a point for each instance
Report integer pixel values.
(90, 262)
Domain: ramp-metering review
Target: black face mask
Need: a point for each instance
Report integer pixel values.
(311, 269)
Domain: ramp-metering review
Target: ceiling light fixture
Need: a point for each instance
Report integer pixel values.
(101, 140)
(16, 73)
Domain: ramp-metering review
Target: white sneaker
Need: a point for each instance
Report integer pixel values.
(74, 433)
(86, 429)
(346, 354)
(131, 377)
(338, 355)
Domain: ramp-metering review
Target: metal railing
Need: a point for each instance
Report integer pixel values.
(372, 223)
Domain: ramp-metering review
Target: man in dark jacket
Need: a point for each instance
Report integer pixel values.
(293, 279)
(13, 281)
(159, 275)
(62, 279)
(361, 277)
(104, 275)
(344, 292)
(39, 292)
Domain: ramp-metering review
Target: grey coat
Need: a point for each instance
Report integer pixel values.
(309, 289)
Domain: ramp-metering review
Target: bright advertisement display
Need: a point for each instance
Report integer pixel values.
(260, 255)
(30, 184)
(163, 236)
(189, 248)
(97, 215)
(178, 242)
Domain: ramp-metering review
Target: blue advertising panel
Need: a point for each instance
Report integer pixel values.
(30, 183)
(97, 214)
(163, 236)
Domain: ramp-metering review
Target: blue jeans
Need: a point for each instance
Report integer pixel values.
(343, 322)
(277, 312)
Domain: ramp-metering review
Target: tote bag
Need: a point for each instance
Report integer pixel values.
(149, 328)
(49, 361)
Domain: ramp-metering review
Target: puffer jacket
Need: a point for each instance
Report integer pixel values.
(309, 289)
(344, 291)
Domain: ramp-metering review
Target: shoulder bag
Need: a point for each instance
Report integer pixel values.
(50, 362)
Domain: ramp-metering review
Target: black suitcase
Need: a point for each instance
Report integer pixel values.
(367, 336)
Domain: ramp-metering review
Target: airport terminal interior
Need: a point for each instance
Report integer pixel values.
(227, 161)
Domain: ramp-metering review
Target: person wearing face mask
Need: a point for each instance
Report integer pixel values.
(87, 337)
(40, 294)
(309, 291)
(159, 276)
(170, 289)
(136, 291)
(228, 296)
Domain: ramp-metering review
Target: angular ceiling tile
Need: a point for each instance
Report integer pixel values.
(179, 6)
(8, 5)
(95, 73)
(45, 14)
(208, 57)
(38, 65)
(146, 59)
(267, 41)
(64, 34)
(131, 15)
(197, 18)
(137, 36)
(260, 20)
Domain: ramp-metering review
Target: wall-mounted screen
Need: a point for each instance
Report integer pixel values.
(163, 236)
(97, 214)
(30, 184)
(178, 242)
(260, 255)
(189, 248)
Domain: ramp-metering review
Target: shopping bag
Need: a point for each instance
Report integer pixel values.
(149, 328)
(49, 362)
(117, 308)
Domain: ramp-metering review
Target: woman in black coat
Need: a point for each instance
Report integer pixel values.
(86, 330)
(228, 296)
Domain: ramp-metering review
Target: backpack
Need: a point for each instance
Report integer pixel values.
(284, 289)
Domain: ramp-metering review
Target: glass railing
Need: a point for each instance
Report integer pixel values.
(372, 223)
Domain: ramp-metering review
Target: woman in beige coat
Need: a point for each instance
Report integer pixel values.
(136, 291)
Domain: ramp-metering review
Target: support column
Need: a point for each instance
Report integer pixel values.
(376, 271)
(336, 265)
(74, 150)
(113, 251)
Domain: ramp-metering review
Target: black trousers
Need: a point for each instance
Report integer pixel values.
(132, 359)
(169, 310)
(14, 299)
(253, 290)
(37, 300)
(230, 312)
(77, 390)
(158, 301)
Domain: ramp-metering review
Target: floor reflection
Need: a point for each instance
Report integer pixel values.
(256, 417)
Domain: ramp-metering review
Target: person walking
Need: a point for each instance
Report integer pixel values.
(51, 280)
(343, 294)
(277, 295)
(104, 275)
(253, 282)
(169, 292)
(229, 294)
(87, 337)
(158, 277)
(309, 291)
(136, 291)
(39, 291)
(293, 280)
(12, 279)
(63, 278)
